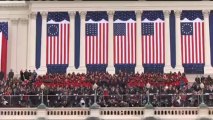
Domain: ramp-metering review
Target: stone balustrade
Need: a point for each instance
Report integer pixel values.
(68, 113)
(108, 113)
(176, 111)
(18, 113)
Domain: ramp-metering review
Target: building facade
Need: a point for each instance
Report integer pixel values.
(22, 18)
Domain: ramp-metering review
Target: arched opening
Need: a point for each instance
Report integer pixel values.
(41, 118)
(93, 118)
(150, 118)
(203, 119)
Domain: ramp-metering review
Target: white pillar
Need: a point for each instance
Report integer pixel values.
(13, 44)
(22, 45)
(43, 68)
(208, 68)
(82, 67)
(110, 67)
(71, 55)
(179, 66)
(139, 67)
(167, 53)
(31, 42)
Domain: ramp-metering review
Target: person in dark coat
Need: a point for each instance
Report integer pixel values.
(26, 75)
(1, 75)
(29, 73)
(22, 75)
(11, 74)
(34, 74)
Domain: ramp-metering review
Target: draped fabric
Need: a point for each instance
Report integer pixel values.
(38, 40)
(172, 39)
(124, 15)
(96, 41)
(152, 15)
(211, 35)
(57, 49)
(3, 46)
(77, 39)
(191, 15)
(124, 40)
(153, 41)
(192, 41)
(96, 16)
(192, 38)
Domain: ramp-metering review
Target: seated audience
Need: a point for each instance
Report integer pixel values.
(114, 90)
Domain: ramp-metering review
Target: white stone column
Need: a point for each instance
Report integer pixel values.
(82, 67)
(31, 42)
(139, 67)
(71, 55)
(43, 68)
(110, 67)
(167, 53)
(22, 45)
(13, 44)
(208, 68)
(179, 66)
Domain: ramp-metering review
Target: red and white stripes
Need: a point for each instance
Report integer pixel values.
(57, 50)
(153, 46)
(192, 46)
(125, 45)
(97, 45)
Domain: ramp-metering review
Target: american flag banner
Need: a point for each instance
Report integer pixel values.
(3, 46)
(124, 37)
(192, 37)
(96, 38)
(58, 31)
(153, 37)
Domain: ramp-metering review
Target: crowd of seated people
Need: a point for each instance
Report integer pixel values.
(114, 90)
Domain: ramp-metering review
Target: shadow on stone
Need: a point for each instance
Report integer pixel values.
(42, 106)
(41, 118)
(93, 118)
(203, 119)
(150, 118)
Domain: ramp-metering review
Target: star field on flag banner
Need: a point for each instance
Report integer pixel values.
(192, 38)
(153, 38)
(125, 39)
(57, 40)
(96, 38)
(3, 46)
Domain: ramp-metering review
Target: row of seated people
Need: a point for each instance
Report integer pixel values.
(131, 80)
(172, 79)
(120, 89)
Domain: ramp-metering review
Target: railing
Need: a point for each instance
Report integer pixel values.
(176, 111)
(18, 113)
(136, 111)
(67, 111)
(58, 107)
(115, 113)
(131, 100)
